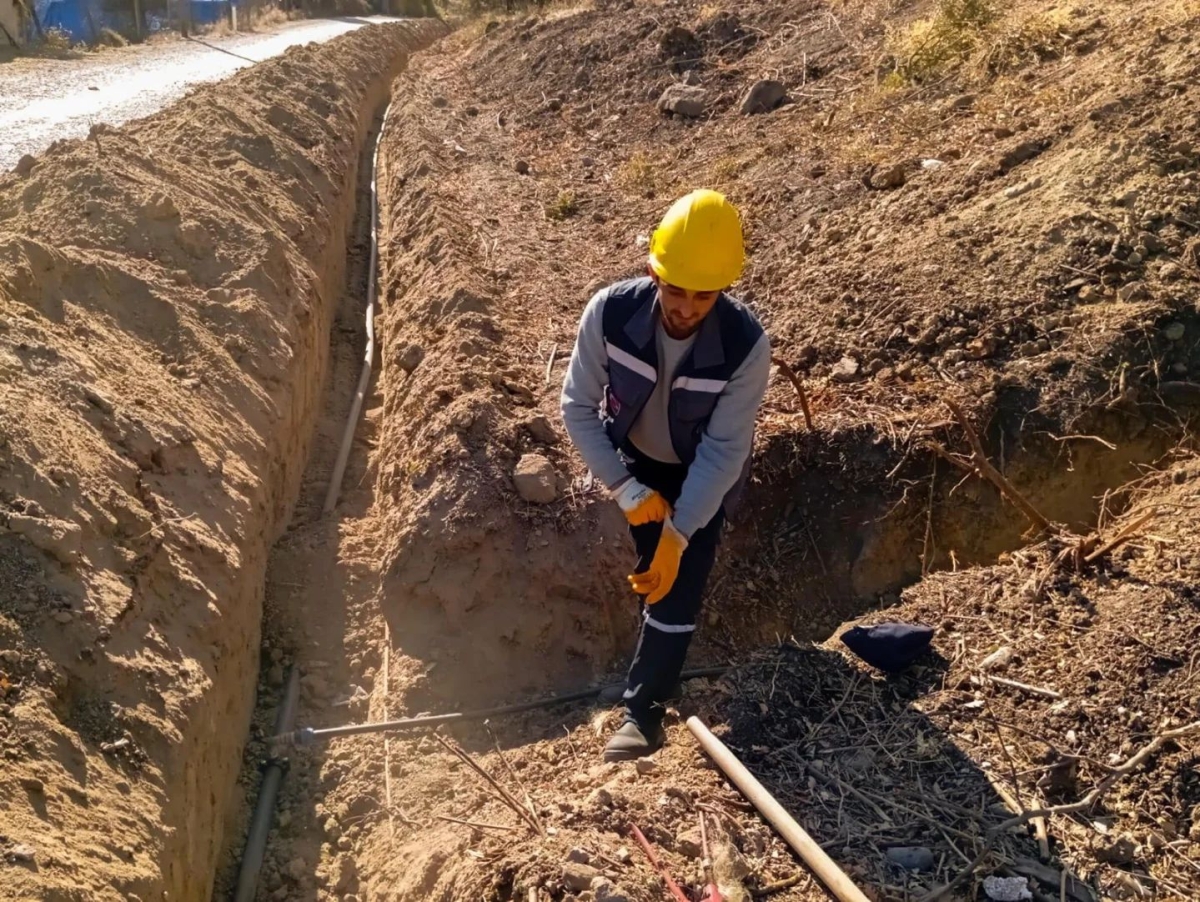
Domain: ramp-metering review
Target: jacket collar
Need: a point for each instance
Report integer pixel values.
(708, 351)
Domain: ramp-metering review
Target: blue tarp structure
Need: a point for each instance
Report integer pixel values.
(71, 16)
(209, 12)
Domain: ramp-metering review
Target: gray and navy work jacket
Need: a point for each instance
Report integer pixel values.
(715, 393)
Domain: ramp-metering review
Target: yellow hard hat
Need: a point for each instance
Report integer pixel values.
(698, 244)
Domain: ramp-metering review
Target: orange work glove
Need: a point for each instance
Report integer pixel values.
(656, 582)
(641, 504)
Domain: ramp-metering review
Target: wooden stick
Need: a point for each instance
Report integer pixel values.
(550, 363)
(505, 795)
(387, 740)
(459, 820)
(1117, 773)
(985, 469)
(1126, 533)
(777, 887)
(1024, 687)
(1010, 802)
(799, 386)
(834, 878)
(512, 773)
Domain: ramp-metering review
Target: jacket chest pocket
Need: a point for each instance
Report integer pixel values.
(625, 389)
(693, 407)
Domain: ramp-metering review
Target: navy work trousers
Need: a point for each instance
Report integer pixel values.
(667, 626)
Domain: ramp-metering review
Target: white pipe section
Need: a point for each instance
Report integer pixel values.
(364, 379)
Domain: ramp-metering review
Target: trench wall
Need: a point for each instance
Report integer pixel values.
(166, 292)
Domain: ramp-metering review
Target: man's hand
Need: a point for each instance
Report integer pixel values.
(641, 504)
(656, 582)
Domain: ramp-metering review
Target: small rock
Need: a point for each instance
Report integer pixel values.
(683, 100)
(763, 97)
(623, 855)
(1174, 331)
(1089, 293)
(439, 102)
(64, 617)
(845, 370)
(297, 869)
(1023, 188)
(911, 858)
(10, 656)
(691, 78)
(541, 429)
(25, 165)
(410, 358)
(599, 798)
(32, 784)
(963, 102)
(689, 843)
(161, 207)
(998, 659)
(1170, 271)
(1000, 132)
(876, 366)
(521, 167)
(275, 675)
(1117, 850)
(646, 765)
(1022, 153)
(1133, 291)
(1006, 889)
(21, 852)
(59, 538)
(579, 856)
(604, 891)
(893, 176)
(954, 356)
(98, 400)
(535, 479)
(577, 876)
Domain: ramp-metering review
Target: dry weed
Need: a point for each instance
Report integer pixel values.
(1030, 39)
(564, 206)
(929, 47)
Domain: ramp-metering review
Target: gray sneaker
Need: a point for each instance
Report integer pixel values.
(630, 743)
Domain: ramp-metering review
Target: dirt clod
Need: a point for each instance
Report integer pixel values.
(763, 97)
(535, 479)
(578, 876)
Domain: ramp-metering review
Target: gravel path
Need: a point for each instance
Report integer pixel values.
(42, 100)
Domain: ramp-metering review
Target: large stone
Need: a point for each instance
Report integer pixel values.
(535, 479)
(683, 100)
(763, 97)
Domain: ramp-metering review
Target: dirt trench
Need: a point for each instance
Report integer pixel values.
(167, 295)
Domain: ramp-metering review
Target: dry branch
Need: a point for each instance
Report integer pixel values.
(799, 386)
(984, 468)
(1127, 532)
(1083, 804)
(505, 795)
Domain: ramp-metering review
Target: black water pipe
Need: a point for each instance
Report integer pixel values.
(308, 735)
(264, 811)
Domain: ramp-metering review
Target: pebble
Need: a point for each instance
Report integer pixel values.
(579, 856)
(646, 765)
(893, 176)
(763, 97)
(911, 858)
(10, 656)
(683, 100)
(1134, 291)
(845, 370)
(63, 617)
(98, 400)
(1174, 331)
(689, 843)
(578, 877)
(22, 852)
(521, 167)
(32, 784)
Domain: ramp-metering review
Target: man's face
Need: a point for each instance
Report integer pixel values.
(683, 311)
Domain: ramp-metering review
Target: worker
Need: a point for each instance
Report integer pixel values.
(660, 399)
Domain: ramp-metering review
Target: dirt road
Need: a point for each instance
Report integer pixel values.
(42, 100)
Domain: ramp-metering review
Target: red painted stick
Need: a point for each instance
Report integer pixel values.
(657, 864)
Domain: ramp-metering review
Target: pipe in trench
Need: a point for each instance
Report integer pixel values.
(364, 378)
(264, 810)
(308, 735)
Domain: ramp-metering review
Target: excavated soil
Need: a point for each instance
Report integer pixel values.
(166, 295)
(1018, 235)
